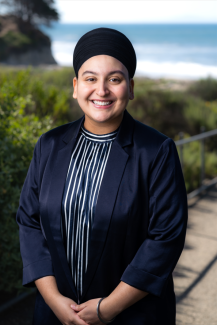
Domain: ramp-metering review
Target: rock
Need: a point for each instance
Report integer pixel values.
(31, 57)
(22, 43)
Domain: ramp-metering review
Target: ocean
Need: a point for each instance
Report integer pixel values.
(187, 51)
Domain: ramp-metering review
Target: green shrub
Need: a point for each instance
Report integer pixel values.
(205, 89)
(192, 163)
(13, 41)
(51, 92)
(163, 110)
(18, 135)
(199, 113)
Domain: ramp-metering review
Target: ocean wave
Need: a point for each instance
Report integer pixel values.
(181, 70)
(63, 53)
(176, 48)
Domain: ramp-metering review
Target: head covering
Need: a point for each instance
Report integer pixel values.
(106, 41)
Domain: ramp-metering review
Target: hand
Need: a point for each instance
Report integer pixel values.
(61, 308)
(87, 312)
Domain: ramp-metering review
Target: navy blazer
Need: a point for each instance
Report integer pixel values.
(139, 227)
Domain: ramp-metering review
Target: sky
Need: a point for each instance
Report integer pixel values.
(144, 11)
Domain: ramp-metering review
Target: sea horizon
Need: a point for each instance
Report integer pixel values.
(180, 51)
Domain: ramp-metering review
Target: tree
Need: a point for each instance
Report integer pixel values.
(32, 11)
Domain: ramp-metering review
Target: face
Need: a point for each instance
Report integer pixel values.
(103, 90)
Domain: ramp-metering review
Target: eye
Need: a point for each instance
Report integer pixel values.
(115, 79)
(90, 78)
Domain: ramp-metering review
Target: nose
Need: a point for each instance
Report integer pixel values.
(102, 89)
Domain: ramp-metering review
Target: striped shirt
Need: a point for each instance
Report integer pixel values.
(84, 177)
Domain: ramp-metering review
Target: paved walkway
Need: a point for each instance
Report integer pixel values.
(195, 276)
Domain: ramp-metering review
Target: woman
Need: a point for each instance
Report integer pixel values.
(103, 210)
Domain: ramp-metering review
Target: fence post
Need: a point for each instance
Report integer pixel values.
(181, 135)
(202, 141)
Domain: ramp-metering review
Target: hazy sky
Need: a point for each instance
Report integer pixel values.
(146, 11)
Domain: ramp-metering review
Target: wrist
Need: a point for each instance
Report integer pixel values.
(53, 299)
(107, 310)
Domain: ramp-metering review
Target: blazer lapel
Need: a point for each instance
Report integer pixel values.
(107, 195)
(54, 199)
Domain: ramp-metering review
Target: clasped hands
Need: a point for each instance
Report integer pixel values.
(69, 313)
(87, 312)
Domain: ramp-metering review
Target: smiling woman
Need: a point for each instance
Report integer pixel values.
(103, 92)
(103, 210)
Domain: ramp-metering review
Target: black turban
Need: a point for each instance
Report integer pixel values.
(106, 41)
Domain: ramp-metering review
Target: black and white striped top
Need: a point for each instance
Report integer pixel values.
(84, 177)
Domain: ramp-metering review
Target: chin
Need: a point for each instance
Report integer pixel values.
(101, 118)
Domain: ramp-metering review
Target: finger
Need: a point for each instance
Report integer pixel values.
(80, 321)
(78, 307)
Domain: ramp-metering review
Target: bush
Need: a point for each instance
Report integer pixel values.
(51, 93)
(172, 112)
(18, 135)
(192, 163)
(205, 89)
(163, 110)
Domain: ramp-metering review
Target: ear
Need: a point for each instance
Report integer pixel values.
(75, 85)
(131, 88)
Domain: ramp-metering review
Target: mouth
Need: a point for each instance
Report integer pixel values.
(102, 104)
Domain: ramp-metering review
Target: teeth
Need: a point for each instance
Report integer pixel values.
(101, 103)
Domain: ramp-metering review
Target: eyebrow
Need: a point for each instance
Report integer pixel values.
(112, 72)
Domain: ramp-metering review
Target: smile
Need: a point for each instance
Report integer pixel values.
(102, 103)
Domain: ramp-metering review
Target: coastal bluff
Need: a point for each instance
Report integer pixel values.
(22, 43)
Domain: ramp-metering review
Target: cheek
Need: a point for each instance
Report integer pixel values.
(122, 92)
(84, 92)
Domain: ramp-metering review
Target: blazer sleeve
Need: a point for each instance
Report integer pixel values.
(158, 255)
(34, 250)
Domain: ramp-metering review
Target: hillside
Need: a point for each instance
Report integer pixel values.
(21, 43)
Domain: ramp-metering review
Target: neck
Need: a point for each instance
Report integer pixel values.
(102, 127)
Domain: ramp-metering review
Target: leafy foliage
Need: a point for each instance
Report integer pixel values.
(51, 93)
(172, 112)
(205, 89)
(192, 163)
(18, 135)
